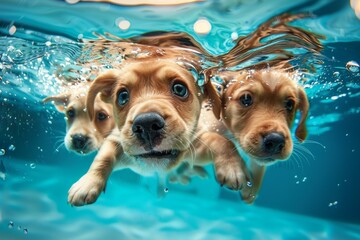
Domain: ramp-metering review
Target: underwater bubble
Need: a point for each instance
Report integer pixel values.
(32, 165)
(166, 190)
(336, 74)
(234, 36)
(50, 122)
(330, 204)
(249, 184)
(297, 182)
(11, 147)
(25, 231)
(295, 176)
(19, 227)
(11, 224)
(72, 1)
(304, 179)
(352, 66)
(12, 30)
(2, 152)
(202, 26)
(123, 24)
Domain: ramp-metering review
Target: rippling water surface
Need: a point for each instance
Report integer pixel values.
(314, 195)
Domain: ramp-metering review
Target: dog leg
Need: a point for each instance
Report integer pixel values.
(230, 168)
(257, 174)
(88, 188)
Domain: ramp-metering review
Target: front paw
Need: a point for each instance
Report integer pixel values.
(232, 174)
(86, 190)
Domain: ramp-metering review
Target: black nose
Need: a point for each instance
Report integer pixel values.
(148, 127)
(79, 140)
(273, 143)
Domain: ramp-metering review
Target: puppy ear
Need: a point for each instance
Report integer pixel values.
(102, 84)
(59, 101)
(301, 131)
(212, 96)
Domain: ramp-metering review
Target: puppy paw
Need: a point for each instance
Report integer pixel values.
(248, 194)
(232, 175)
(86, 190)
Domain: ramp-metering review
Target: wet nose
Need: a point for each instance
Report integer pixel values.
(273, 143)
(148, 127)
(79, 140)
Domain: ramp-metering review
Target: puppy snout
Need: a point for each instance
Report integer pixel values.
(148, 128)
(79, 140)
(273, 143)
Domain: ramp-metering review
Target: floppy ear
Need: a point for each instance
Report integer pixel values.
(60, 101)
(301, 131)
(213, 96)
(102, 84)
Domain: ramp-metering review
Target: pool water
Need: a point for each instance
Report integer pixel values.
(314, 195)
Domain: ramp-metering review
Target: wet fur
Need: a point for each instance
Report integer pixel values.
(269, 90)
(96, 130)
(149, 85)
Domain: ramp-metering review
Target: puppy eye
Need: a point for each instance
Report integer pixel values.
(102, 116)
(180, 90)
(246, 100)
(289, 104)
(123, 97)
(70, 113)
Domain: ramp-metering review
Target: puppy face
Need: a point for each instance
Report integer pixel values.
(259, 110)
(156, 109)
(83, 135)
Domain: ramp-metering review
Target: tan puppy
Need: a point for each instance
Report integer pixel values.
(156, 104)
(259, 109)
(83, 135)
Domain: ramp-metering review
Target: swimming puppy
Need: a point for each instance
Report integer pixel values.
(83, 135)
(156, 108)
(259, 109)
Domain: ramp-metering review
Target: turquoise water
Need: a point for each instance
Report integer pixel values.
(312, 196)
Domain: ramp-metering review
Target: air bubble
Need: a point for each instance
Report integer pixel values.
(249, 184)
(25, 231)
(11, 224)
(166, 190)
(336, 74)
(234, 36)
(32, 165)
(11, 147)
(352, 66)
(2, 152)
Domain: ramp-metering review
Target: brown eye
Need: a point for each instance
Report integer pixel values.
(180, 90)
(246, 100)
(70, 113)
(289, 104)
(102, 116)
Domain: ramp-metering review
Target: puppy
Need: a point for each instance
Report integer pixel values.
(83, 135)
(259, 109)
(156, 105)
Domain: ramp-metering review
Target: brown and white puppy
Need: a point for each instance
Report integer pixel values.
(259, 109)
(157, 105)
(83, 135)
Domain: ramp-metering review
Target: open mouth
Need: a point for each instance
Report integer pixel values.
(173, 153)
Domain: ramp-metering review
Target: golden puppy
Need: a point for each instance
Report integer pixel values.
(259, 109)
(156, 105)
(83, 135)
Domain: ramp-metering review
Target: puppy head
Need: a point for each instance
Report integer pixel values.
(156, 108)
(260, 108)
(83, 135)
